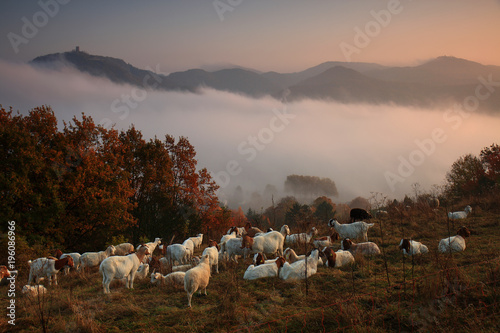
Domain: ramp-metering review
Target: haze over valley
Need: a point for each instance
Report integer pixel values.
(248, 140)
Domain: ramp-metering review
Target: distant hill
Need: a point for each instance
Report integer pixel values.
(440, 71)
(437, 82)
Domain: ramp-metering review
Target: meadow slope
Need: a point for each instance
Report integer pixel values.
(430, 293)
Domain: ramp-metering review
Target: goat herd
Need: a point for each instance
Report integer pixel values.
(126, 263)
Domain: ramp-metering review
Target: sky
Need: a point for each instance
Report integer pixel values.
(280, 35)
(251, 142)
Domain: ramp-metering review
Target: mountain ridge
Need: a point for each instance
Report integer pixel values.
(440, 80)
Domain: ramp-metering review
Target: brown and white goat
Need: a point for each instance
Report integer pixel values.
(336, 259)
(455, 243)
(45, 267)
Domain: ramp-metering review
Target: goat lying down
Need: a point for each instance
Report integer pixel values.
(455, 243)
(175, 279)
(411, 247)
(264, 270)
(367, 248)
(336, 259)
(297, 270)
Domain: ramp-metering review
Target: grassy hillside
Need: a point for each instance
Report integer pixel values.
(431, 293)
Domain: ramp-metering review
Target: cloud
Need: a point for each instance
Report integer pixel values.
(253, 142)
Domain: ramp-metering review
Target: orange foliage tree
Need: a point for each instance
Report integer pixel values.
(78, 187)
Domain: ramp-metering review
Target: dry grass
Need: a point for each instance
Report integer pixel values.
(430, 293)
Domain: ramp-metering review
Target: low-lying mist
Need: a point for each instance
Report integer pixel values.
(254, 142)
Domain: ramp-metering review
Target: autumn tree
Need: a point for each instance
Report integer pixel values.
(83, 185)
(471, 175)
(309, 186)
(95, 186)
(490, 157)
(277, 213)
(300, 216)
(360, 202)
(465, 176)
(29, 182)
(323, 208)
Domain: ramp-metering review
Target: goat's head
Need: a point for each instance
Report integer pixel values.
(212, 243)
(330, 256)
(246, 242)
(4, 272)
(280, 262)
(66, 261)
(463, 231)
(285, 229)
(335, 235)
(287, 253)
(405, 245)
(58, 253)
(346, 244)
(111, 250)
(259, 259)
(331, 223)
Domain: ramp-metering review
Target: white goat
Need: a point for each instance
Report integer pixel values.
(45, 267)
(197, 240)
(151, 248)
(142, 271)
(268, 243)
(297, 270)
(411, 247)
(123, 249)
(227, 237)
(455, 243)
(292, 257)
(337, 259)
(189, 244)
(33, 291)
(121, 267)
(352, 230)
(94, 259)
(182, 268)
(233, 248)
(461, 214)
(366, 248)
(297, 239)
(213, 255)
(178, 253)
(174, 278)
(264, 270)
(326, 240)
(76, 261)
(197, 278)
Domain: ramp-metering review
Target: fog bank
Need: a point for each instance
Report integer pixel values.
(253, 142)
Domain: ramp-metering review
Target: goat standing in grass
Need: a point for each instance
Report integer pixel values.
(122, 267)
(197, 278)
